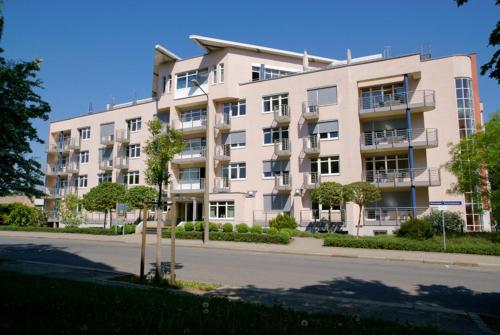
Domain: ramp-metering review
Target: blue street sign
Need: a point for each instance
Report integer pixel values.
(443, 203)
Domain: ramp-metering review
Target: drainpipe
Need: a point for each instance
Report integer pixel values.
(410, 148)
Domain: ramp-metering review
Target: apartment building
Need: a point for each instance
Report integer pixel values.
(264, 127)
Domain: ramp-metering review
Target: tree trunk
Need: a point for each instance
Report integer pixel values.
(158, 237)
(143, 240)
(110, 218)
(172, 251)
(105, 218)
(359, 221)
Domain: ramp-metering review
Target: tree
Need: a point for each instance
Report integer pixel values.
(103, 198)
(363, 193)
(68, 211)
(138, 195)
(19, 106)
(160, 150)
(331, 194)
(493, 66)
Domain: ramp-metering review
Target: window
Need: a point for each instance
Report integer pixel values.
(274, 168)
(235, 139)
(134, 124)
(235, 109)
(273, 135)
(222, 209)
(131, 178)
(255, 73)
(84, 157)
(189, 174)
(274, 73)
(104, 177)
(380, 96)
(163, 84)
(234, 171)
(325, 130)
(82, 181)
(84, 133)
(184, 80)
(465, 105)
(387, 163)
(134, 150)
(194, 115)
(273, 102)
(326, 165)
(213, 70)
(221, 73)
(277, 203)
(322, 96)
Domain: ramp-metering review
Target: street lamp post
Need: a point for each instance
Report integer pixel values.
(206, 205)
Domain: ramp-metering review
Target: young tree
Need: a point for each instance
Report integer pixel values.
(19, 106)
(160, 150)
(69, 211)
(138, 195)
(331, 194)
(363, 193)
(103, 198)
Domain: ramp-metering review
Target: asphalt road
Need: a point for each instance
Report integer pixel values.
(474, 289)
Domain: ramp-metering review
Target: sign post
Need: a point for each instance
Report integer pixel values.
(121, 213)
(443, 206)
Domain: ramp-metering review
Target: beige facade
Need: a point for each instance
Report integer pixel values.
(276, 124)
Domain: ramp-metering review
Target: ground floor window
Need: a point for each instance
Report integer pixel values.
(222, 209)
(131, 178)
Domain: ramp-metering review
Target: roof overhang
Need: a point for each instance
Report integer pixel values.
(161, 55)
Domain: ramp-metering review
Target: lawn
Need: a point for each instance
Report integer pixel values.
(36, 305)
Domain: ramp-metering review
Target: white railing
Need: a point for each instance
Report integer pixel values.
(108, 139)
(56, 146)
(74, 143)
(190, 155)
(54, 192)
(390, 216)
(54, 169)
(396, 101)
(192, 124)
(397, 138)
(312, 144)
(121, 162)
(122, 135)
(222, 121)
(281, 113)
(73, 167)
(311, 180)
(222, 184)
(310, 110)
(283, 182)
(106, 164)
(403, 177)
(282, 147)
(189, 185)
(223, 152)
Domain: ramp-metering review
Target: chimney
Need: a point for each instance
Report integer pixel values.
(349, 56)
(305, 62)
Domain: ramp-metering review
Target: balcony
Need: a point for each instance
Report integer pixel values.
(58, 193)
(74, 143)
(121, 163)
(397, 139)
(108, 140)
(403, 177)
(55, 169)
(223, 153)
(312, 145)
(190, 156)
(283, 182)
(282, 148)
(123, 136)
(310, 111)
(222, 122)
(322, 220)
(222, 185)
(191, 126)
(189, 186)
(390, 216)
(311, 180)
(106, 165)
(59, 147)
(73, 168)
(281, 114)
(379, 105)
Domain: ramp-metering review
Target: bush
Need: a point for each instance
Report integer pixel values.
(272, 231)
(256, 229)
(180, 229)
(23, 216)
(198, 226)
(242, 228)
(453, 222)
(213, 226)
(282, 238)
(284, 235)
(189, 226)
(283, 221)
(227, 228)
(418, 229)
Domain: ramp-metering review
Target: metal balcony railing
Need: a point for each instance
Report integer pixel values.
(310, 111)
(390, 216)
(399, 138)
(189, 186)
(380, 102)
(58, 193)
(192, 155)
(108, 139)
(281, 114)
(282, 147)
(121, 163)
(223, 121)
(283, 182)
(106, 164)
(65, 146)
(312, 145)
(403, 177)
(74, 143)
(55, 169)
(73, 167)
(190, 125)
(311, 180)
(308, 216)
(222, 184)
(223, 152)
(122, 135)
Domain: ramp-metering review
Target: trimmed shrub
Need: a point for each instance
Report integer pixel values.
(453, 222)
(283, 221)
(227, 228)
(256, 229)
(284, 235)
(272, 231)
(198, 226)
(180, 229)
(249, 237)
(129, 229)
(418, 229)
(23, 216)
(242, 228)
(213, 226)
(188, 226)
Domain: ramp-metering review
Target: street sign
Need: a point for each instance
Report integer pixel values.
(443, 207)
(444, 203)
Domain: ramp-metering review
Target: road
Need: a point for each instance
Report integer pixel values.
(472, 289)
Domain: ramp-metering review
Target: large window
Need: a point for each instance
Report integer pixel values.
(134, 124)
(273, 102)
(82, 181)
(274, 73)
(191, 174)
(325, 130)
(222, 209)
(273, 135)
(131, 178)
(235, 108)
(465, 105)
(277, 203)
(84, 133)
(104, 177)
(235, 171)
(184, 80)
(235, 139)
(134, 150)
(322, 96)
(194, 115)
(387, 163)
(274, 168)
(326, 165)
(84, 157)
(380, 96)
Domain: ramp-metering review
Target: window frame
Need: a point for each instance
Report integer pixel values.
(222, 204)
(271, 98)
(232, 107)
(84, 131)
(83, 157)
(134, 151)
(134, 125)
(83, 181)
(272, 131)
(329, 160)
(188, 76)
(221, 71)
(133, 176)
(238, 167)
(101, 180)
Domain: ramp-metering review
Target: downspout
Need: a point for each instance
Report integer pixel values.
(413, 190)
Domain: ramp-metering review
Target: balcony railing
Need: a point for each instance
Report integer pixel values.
(281, 114)
(223, 152)
(189, 186)
(55, 169)
(403, 177)
(190, 126)
(123, 136)
(108, 139)
(106, 165)
(379, 102)
(222, 184)
(310, 111)
(121, 163)
(190, 156)
(311, 180)
(223, 121)
(399, 138)
(390, 216)
(310, 217)
(282, 147)
(283, 182)
(58, 193)
(65, 146)
(312, 145)
(73, 167)
(74, 143)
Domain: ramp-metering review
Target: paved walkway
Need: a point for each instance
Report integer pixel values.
(299, 246)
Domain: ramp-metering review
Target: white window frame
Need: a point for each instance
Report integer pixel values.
(134, 125)
(220, 204)
(101, 180)
(83, 157)
(221, 73)
(84, 133)
(325, 87)
(274, 130)
(213, 75)
(169, 84)
(329, 160)
(279, 97)
(329, 136)
(83, 181)
(232, 107)
(133, 176)
(134, 151)
(189, 75)
(238, 167)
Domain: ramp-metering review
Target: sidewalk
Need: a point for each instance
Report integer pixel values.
(298, 246)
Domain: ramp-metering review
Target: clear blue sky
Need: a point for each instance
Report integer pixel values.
(97, 49)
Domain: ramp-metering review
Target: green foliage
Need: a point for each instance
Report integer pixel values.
(68, 211)
(331, 194)
(227, 228)
(104, 197)
(278, 238)
(189, 226)
(180, 229)
(495, 206)
(363, 193)
(415, 228)
(242, 228)
(283, 234)
(272, 231)
(283, 221)
(137, 195)
(213, 227)
(256, 229)
(198, 226)
(23, 216)
(129, 229)
(452, 221)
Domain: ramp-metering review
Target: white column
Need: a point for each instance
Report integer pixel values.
(194, 209)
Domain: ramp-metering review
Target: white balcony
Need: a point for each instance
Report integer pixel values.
(222, 122)
(311, 180)
(282, 148)
(223, 153)
(73, 167)
(121, 163)
(403, 177)
(281, 114)
(192, 126)
(188, 186)
(379, 104)
(390, 216)
(58, 193)
(122, 136)
(310, 111)
(190, 156)
(74, 143)
(65, 146)
(397, 139)
(312, 145)
(222, 185)
(108, 140)
(106, 165)
(283, 182)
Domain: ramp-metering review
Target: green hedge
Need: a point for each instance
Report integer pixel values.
(130, 229)
(454, 244)
(280, 238)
